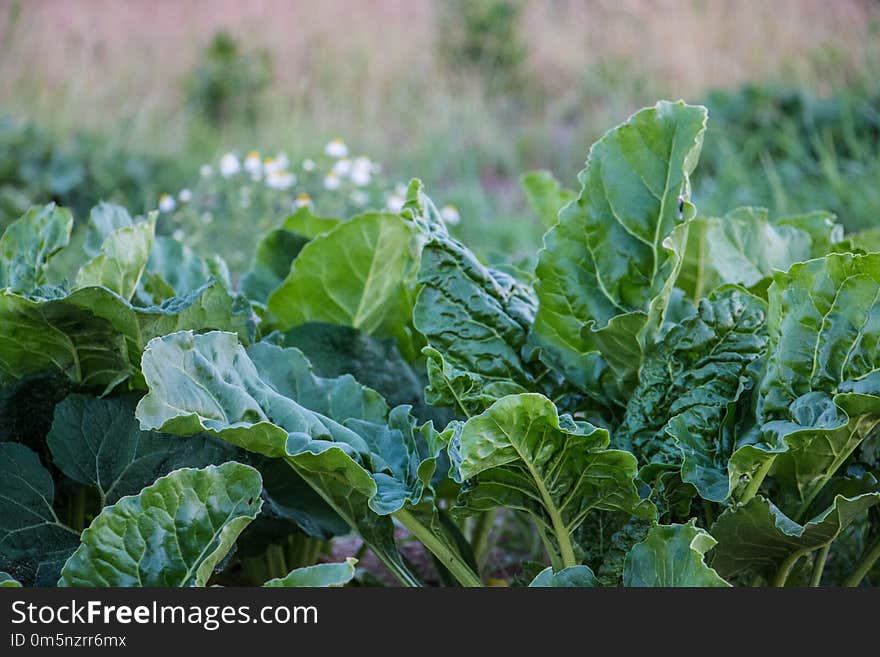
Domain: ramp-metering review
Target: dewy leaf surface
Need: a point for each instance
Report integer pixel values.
(689, 384)
(476, 322)
(820, 395)
(607, 269)
(173, 533)
(319, 575)
(672, 556)
(351, 275)
(521, 454)
(98, 442)
(32, 538)
(29, 243)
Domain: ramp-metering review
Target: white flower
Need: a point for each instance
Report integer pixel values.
(185, 195)
(280, 179)
(178, 235)
(166, 203)
(205, 170)
(331, 181)
(206, 218)
(450, 215)
(336, 148)
(308, 165)
(252, 163)
(275, 164)
(361, 171)
(394, 203)
(342, 167)
(360, 198)
(302, 200)
(229, 165)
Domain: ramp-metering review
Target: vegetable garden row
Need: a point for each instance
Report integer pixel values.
(668, 399)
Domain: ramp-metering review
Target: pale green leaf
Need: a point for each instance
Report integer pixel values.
(672, 556)
(575, 576)
(29, 243)
(545, 195)
(319, 575)
(351, 275)
(173, 533)
(122, 260)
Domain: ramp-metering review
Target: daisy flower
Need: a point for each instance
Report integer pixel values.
(336, 148)
(308, 165)
(361, 171)
(252, 163)
(166, 203)
(185, 195)
(450, 215)
(280, 180)
(331, 181)
(342, 167)
(205, 170)
(229, 165)
(302, 200)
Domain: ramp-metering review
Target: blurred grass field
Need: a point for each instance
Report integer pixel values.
(466, 95)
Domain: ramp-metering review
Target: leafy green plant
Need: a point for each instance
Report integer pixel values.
(669, 399)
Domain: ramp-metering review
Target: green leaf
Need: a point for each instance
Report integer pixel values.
(271, 264)
(304, 222)
(173, 533)
(104, 219)
(758, 538)
(476, 322)
(672, 555)
(96, 338)
(366, 469)
(521, 454)
(820, 395)
(8, 582)
(181, 268)
(26, 408)
(607, 269)
(122, 260)
(545, 195)
(745, 246)
(575, 576)
(319, 575)
(289, 497)
(350, 276)
(98, 442)
(378, 364)
(29, 243)
(684, 408)
(31, 535)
